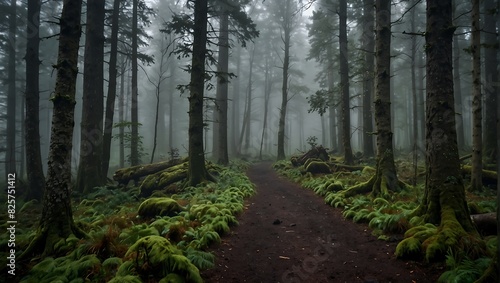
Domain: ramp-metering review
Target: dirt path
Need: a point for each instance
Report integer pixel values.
(288, 234)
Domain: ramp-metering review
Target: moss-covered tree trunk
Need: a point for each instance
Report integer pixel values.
(444, 190)
(57, 219)
(386, 178)
(197, 171)
(36, 179)
(444, 201)
(89, 168)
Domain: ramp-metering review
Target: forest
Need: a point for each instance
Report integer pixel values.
(258, 140)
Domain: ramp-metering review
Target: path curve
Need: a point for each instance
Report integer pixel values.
(288, 234)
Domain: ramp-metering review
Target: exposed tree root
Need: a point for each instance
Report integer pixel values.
(435, 242)
(44, 242)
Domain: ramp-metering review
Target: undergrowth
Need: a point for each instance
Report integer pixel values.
(393, 215)
(162, 239)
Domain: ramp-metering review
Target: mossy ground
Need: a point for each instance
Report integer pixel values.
(393, 215)
(124, 246)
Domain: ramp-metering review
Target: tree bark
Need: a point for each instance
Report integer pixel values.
(235, 110)
(444, 186)
(491, 88)
(457, 81)
(89, 170)
(386, 177)
(134, 141)
(268, 82)
(287, 28)
(444, 202)
(197, 170)
(368, 47)
(331, 105)
(222, 88)
(344, 82)
(36, 179)
(10, 155)
(110, 100)
(477, 137)
(57, 217)
(121, 113)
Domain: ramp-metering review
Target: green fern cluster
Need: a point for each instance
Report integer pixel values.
(168, 244)
(65, 269)
(463, 269)
(156, 255)
(322, 185)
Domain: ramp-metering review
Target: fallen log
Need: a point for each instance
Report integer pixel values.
(489, 177)
(343, 167)
(486, 223)
(466, 157)
(163, 179)
(124, 175)
(318, 152)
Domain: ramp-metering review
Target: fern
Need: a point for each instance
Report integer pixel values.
(202, 260)
(126, 279)
(464, 269)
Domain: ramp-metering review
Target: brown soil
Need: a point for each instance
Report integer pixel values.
(288, 234)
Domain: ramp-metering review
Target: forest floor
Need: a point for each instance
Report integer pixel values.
(288, 234)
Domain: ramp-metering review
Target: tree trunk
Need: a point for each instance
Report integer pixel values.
(56, 221)
(89, 170)
(10, 155)
(331, 105)
(268, 82)
(222, 88)
(368, 47)
(386, 177)
(245, 128)
(121, 110)
(491, 88)
(444, 201)
(197, 170)
(171, 113)
(110, 100)
(457, 81)
(421, 102)
(36, 179)
(286, 25)
(247, 122)
(414, 120)
(344, 82)
(477, 137)
(134, 139)
(235, 112)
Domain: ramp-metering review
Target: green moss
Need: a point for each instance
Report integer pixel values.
(159, 207)
(409, 248)
(335, 186)
(172, 278)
